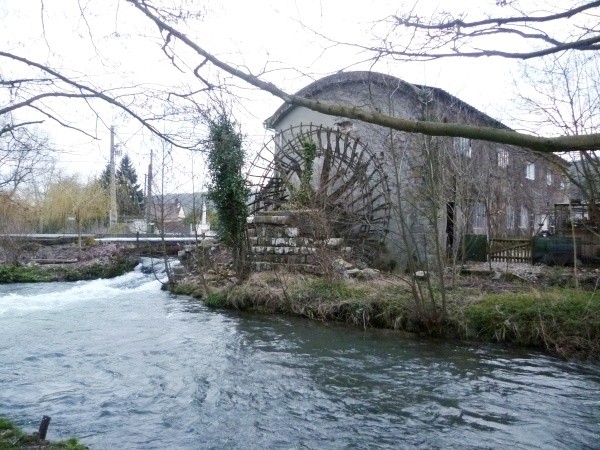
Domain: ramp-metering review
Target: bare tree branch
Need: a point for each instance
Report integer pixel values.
(82, 91)
(28, 102)
(21, 152)
(63, 123)
(497, 21)
(541, 144)
(451, 37)
(9, 127)
(592, 44)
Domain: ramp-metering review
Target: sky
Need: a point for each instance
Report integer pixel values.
(114, 45)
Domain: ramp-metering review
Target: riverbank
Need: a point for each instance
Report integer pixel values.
(13, 438)
(45, 263)
(529, 307)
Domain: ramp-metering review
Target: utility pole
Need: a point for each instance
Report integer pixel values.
(149, 201)
(112, 214)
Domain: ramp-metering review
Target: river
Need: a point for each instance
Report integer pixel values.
(121, 364)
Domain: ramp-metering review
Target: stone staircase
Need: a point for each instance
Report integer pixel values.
(289, 239)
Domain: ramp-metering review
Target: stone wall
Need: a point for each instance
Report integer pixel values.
(290, 239)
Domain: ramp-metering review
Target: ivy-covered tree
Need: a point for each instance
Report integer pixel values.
(227, 189)
(130, 196)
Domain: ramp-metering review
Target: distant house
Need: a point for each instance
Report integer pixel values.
(168, 216)
(182, 213)
(438, 189)
(190, 202)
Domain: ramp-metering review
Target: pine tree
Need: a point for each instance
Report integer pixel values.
(130, 197)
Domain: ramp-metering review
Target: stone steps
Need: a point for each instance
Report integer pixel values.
(287, 239)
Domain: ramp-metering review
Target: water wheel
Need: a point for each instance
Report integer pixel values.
(347, 182)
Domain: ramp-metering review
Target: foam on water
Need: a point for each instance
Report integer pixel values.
(146, 277)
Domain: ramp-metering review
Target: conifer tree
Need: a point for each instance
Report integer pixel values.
(130, 196)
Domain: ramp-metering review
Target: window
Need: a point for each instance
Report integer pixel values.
(502, 155)
(524, 222)
(463, 146)
(479, 218)
(530, 171)
(563, 182)
(510, 217)
(549, 178)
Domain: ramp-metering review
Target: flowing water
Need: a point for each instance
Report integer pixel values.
(123, 365)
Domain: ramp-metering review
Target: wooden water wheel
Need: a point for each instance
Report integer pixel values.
(348, 182)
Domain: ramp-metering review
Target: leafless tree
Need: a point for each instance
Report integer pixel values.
(445, 35)
(177, 44)
(564, 94)
(24, 151)
(16, 219)
(35, 88)
(511, 31)
(69, 199)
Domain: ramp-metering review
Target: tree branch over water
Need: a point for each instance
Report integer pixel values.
(537, 143)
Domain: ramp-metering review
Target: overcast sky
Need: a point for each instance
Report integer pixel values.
(115, 44)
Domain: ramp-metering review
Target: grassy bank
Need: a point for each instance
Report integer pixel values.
(12, 437)
(67, 272)
(561, 321)
(565, 322)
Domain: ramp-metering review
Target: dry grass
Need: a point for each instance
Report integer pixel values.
(562, 321)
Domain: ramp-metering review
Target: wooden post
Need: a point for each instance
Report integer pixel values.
(44, 427)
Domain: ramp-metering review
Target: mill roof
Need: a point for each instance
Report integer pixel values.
(380, 79)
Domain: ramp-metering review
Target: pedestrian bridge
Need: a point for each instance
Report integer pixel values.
(146, 245)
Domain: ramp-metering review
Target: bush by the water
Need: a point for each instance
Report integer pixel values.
(563, 321)
(215, 299)
(23, 274)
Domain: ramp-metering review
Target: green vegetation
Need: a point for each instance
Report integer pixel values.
(130, 196)
(12, 437)
(328, 291)
(564, 322)
(183, 288)
(215, 300)
(64, 272)
(24, 274)
(227, 189)
(303, 197)
(116, 267)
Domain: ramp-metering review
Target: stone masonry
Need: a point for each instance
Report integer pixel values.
(288, 238)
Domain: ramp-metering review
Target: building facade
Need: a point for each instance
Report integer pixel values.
(439, 189)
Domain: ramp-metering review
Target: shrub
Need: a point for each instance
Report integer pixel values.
(324, 290)
(216, 300)
(563, 321)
